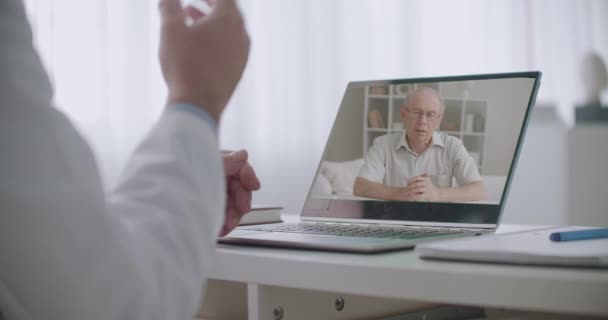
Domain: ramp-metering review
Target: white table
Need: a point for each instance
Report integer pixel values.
(255, 282)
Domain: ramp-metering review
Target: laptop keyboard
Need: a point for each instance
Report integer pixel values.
(342, 229)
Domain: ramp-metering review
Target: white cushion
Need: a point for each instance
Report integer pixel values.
(342, 175)
(321, 185)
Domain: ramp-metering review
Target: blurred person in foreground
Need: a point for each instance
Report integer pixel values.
(69, 251)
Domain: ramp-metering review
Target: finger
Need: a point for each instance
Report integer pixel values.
(229, 225)
(248, 178)
(241, 198)
(193, 13)
(234, 161)
(425, 181)
(170, 10)
(223, 232)
(417, 190)
(233, 213)
(421, 181)
(228, 220)
(410, 187)
(202, 6)
(411, 196)
(414, 179)
(414, 185)
(233, 220)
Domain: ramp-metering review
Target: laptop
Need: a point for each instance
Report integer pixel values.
(375, 189)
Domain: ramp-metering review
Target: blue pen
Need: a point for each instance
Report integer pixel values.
(586, 234)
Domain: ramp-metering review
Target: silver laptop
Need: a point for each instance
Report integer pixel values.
(411, 160)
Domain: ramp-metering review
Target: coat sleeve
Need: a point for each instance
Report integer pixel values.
(69, 251)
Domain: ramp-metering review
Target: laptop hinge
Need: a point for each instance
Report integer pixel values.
(485, 229)
(458, 228)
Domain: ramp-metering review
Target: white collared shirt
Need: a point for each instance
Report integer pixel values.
(392, 162)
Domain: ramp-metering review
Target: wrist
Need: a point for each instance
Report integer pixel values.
(440, 192)
(395, 193)
(207, 105)
(196, 112)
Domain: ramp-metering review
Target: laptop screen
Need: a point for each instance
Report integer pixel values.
(432, 150)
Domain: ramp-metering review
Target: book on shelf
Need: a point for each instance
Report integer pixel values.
(378, 90)
(375, 119)
(262, 214)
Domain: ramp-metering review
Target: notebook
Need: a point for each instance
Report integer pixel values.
(409, 161)
(531, 247)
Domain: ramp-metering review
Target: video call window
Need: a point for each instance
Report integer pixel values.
(424, 142)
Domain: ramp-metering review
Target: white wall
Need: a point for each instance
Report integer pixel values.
(507, 102)
(539, 190)
(347, 139)
(588, 176)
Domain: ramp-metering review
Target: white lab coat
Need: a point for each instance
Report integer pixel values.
(67, 250)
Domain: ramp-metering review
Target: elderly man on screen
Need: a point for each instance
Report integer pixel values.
(421, 163)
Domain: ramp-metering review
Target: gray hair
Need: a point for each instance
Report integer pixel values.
(425, 89)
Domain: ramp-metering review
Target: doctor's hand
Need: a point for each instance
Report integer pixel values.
(241, 181)
(203, 62)
(420, 188)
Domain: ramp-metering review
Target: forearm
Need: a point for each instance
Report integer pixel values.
(69, 254)
(474, 191)
(143, 254)
(370, 189)
(172, 197)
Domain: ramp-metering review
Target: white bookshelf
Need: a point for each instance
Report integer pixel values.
(463, 118)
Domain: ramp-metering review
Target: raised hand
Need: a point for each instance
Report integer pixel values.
(202, 62)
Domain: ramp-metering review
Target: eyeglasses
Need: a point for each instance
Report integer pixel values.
(431, 115)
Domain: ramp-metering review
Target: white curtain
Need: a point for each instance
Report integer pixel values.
(102, 58)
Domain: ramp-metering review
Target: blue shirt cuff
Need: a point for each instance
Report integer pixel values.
(195, 111)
